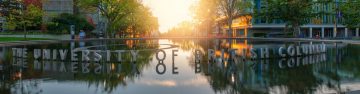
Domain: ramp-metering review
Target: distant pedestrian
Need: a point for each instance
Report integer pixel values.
(82, 34)
(317, 37)
(72, 34)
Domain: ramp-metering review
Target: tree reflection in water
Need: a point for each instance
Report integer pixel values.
(233, 76)
(265, 76)
(108, 75)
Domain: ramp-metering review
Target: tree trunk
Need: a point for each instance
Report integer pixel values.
(134, 32)
(296, 31)
(286, 28)
(25, 32)
(108, 29)
(230, 26)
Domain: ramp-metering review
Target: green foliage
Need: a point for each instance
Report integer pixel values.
(184, 29)
(122, 16)
(9, 7)
(233, 8)
(205, 13)
(17, 16)
(142, 21)
(61, 24)
(32, 16)
(11, 23)
(351, 13)
(293, 12)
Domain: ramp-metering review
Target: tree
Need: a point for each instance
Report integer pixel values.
(205, 13)
(115, 11)
(9, 9)
(20, 13)
(233, 8)
(123, 16)
(351, 13)
(293, 12)
(142, 21)
(183, 29)
(31, 16)
(61, 23)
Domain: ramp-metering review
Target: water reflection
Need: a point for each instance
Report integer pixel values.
(180, 66)
(104, 74)
(321, 73)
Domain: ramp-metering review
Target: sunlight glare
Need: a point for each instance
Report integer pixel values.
(170, 12)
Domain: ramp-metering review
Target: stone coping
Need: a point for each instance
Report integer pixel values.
(33, 42)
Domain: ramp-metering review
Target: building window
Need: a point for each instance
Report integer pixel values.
(1, 27)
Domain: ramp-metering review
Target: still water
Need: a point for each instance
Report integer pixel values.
(178, 67)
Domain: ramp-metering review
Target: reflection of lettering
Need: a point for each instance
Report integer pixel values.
(82, 55)
(301, 61)
(134, 54)
(291, 56)
(266, 53)
(197, 67)
(76, 67)
(197, 61)
(161, 62)
(253, 53)
(211, 55)
(173, 62)
(19, 52)
(197, 55)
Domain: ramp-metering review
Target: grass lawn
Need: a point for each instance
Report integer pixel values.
(10, 39)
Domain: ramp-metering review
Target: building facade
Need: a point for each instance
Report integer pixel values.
(321, 26)
(53, 8)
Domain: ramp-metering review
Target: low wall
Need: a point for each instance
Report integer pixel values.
(48, 36)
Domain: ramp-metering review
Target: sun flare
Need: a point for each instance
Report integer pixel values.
(170, 12)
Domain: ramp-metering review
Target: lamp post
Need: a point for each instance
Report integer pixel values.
(336, 17)
(72, 31)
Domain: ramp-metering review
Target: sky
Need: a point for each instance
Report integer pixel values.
(170, 12)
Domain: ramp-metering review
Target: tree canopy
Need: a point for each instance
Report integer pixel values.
(351, 13)
(206, 12)
(62, 23)
(293, 12)
(18, 14)
(123, 15)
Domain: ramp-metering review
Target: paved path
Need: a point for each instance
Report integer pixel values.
(30, 42)
(47, 36)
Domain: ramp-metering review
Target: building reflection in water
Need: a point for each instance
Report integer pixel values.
(331, 72)
(322, 73)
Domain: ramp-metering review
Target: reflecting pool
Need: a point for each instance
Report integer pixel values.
(180, 66)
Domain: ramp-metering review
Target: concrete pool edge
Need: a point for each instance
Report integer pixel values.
(30, 42)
